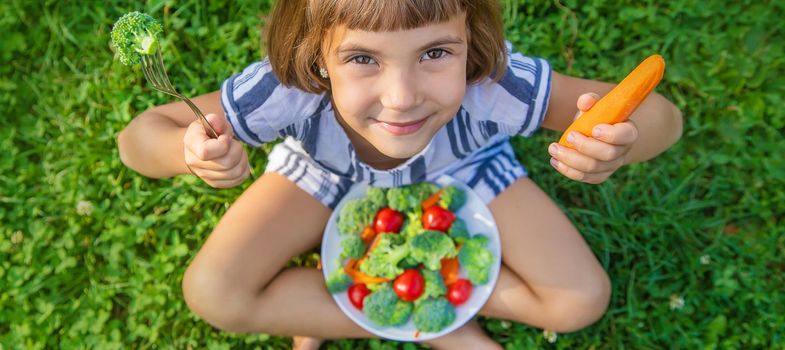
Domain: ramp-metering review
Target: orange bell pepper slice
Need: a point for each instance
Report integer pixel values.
(368, 235)
(450, 269)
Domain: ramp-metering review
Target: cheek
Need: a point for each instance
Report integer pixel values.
(351, 100)
(448, 91)
(448, 87)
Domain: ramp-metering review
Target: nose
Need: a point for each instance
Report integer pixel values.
(399, 90)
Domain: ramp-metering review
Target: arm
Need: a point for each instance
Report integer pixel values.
(158, 143)
(651, 129)
(657, 122)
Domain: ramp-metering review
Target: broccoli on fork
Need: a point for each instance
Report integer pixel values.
(135, 34)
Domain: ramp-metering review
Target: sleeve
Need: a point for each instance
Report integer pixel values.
(261, 109)
(516, 104)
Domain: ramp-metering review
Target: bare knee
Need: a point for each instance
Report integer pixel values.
(576, 309)
(215, 299)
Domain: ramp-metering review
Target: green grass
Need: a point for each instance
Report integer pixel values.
(110, 277)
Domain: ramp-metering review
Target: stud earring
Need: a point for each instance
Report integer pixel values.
(323, 72)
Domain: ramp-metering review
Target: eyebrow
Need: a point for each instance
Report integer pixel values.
(354, 47)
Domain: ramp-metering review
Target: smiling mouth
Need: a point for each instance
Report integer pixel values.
(403, 128)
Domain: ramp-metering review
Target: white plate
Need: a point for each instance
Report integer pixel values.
(478, 220)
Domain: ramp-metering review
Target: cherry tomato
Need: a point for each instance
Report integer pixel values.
(388, 220)
(357, 294)
(437, 218)
(459, 291)
(409, 285)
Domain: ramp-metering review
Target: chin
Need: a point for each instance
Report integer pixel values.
(402, 146)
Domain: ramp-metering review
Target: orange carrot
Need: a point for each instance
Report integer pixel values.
(617, 105)
(432, 200)
(376, 240)
(450, 269)
(358, 277)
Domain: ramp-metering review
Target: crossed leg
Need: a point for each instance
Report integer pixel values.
(549, 278)
(237, 281)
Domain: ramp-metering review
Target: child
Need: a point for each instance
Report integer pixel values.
(388, 93)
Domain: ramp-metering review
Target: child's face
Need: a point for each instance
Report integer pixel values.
(396, 89)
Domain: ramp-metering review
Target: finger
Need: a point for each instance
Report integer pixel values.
(586, 101)
(578, 175)
(244, 173)
(595, 148)
(623, 134)
(212, 149)
(221, 126)
(225, 184)
(235, 173)
(194, 135)
(231, 159)
(194, 140)
(581, 162)
(240, 171)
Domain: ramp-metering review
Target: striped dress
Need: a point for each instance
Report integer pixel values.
(318, 157)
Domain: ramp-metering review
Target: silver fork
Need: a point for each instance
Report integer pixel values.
(155, 72)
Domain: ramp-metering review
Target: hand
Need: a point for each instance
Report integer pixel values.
(220, 162)
(594, 158)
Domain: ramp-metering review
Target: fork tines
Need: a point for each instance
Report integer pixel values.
(156, 75)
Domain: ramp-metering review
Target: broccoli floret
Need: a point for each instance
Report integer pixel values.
(409, 262)
(385, 309)
(430, 247)
(413, 224)
(408, 198)
(338, 281)
(353, 247)
(401, 313)
(452, 198)
(374, 286)
(355, 215)
(434, 284)
(458, 231)
(384, 258)
(135, 34)
(476, 259)
(377, 196)
(433, 314)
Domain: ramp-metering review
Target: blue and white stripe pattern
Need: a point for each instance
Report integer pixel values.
(491, 169)
(318, 156)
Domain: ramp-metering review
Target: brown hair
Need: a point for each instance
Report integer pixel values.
(297, 29)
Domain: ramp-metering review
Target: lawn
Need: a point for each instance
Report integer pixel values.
(92, 254)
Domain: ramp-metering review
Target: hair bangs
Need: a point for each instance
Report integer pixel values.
(298, 29)
(392, 15)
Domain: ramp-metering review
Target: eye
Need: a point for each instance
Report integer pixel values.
(362, 59)
(433, 54)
